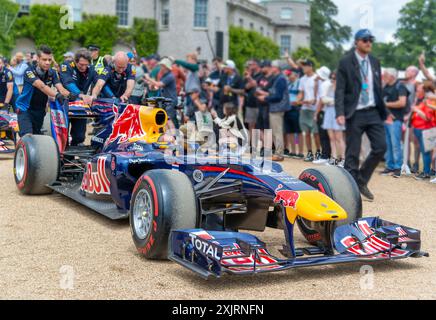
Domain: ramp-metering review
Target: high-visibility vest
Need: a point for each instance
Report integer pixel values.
(99, 65)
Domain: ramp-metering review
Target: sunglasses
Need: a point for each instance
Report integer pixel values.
(366, 40)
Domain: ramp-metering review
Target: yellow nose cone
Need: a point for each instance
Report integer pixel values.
(315, 206)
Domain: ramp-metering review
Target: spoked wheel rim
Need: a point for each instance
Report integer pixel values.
(142, 214)
(20, 164)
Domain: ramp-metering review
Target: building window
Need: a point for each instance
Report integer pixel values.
(217, 23)
(241, 22)
(251, 25)
(307, 15)
(285, 44)
(286, 14)
(24, 6)
(77, 9)
(200, 13)
(122, 9)
(165, 13)
(262, 30)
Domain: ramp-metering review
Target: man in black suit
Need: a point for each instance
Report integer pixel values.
(360, 106)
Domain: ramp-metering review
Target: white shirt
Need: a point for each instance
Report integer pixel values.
(371, 102)
(327, 94)
(307, 85)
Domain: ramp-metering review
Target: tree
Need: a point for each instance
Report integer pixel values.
(8, 14)
(387, 53)
(42, 25)
(327, 35)
(305, 53)
(416, 32)
(245, 45)
(99, 30)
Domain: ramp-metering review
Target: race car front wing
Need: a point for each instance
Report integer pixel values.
(213, 253)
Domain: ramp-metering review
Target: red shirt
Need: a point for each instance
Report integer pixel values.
(419, 123)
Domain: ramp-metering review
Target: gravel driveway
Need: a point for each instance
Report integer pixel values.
(53, 248)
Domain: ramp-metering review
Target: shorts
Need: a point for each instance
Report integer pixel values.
(31, 121)
(263, 118)
(251, 115)
(307, 122)
(292, 122)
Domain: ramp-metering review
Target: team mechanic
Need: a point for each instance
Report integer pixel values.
(78, 77)
(116, 80)
(6, 85)
(32, 103)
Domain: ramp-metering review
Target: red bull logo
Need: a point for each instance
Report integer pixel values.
(127, 125)
(287, 198)
(96, 182)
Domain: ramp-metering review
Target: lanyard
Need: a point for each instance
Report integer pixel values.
(365, 73)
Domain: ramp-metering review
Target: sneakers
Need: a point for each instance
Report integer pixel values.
(366, 194)
(433, 181)
(321, 161)
(318, 156)
(332, 162)
(423, 177)
(415, 168)
(299, 156)
(387, 172)
(340, 163)
(397, 174)
(287, 154)
(309, 157)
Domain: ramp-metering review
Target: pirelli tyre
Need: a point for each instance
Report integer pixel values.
(163, 200)
(36, 164)
(339, 185)
(46, 127)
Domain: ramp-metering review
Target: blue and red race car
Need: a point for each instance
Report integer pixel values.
(8, 130)
(191, 208)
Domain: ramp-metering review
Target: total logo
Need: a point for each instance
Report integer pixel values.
(204, 247)
(96, 182)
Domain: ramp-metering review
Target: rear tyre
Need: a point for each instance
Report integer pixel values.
(36, 164)
(163, 200)
(340, 186)
(46, 127)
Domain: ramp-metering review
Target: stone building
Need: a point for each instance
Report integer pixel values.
(188, 25)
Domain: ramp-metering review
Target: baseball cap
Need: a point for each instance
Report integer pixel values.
(364, 34)
(68, 54)
(265, 64)
(93, 47)
(130, 55)
(307, 62)
(153, 57)
(276, 64)
(324, 73)
(229, 64)
(166, 62)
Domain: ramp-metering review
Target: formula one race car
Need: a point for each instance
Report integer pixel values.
(190, 207)
(8, 130)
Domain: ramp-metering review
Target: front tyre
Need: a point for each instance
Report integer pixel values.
(36, 164)
(340, 186)
(163, 200)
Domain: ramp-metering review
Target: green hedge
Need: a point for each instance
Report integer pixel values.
(245, 45)
(42, 25)
(8, 12)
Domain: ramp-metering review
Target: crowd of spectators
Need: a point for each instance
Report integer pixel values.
(293, 99)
